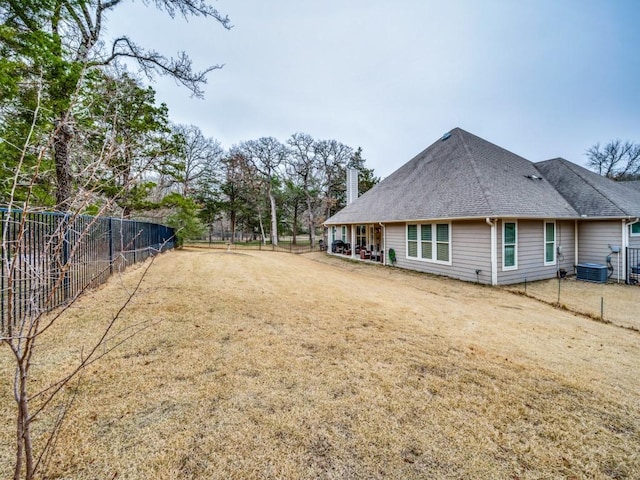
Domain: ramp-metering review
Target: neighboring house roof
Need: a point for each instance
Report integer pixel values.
(589, 193)
(459, 176)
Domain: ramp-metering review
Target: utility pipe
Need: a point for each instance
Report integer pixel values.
(575, 245)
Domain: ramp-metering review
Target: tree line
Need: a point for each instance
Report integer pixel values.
(80, 132)
(259, 189)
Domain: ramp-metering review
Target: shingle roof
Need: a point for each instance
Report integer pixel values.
(461, 176)
(589, 193)
(633, 184)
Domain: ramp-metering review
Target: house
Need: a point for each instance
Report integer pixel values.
(608, 210)
(471, 210)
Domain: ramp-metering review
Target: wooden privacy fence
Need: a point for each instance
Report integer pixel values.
(48, 258)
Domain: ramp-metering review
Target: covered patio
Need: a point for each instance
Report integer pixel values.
(360, 242)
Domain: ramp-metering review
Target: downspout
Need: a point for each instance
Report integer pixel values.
(384, 243)
(622, 254)
(575, 245)
(626, 231)
(493, 223)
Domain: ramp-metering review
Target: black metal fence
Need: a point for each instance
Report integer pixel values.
(287, 247)
(633, 266)
(48, 258)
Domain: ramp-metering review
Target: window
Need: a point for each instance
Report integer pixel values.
(430, 242)
(549, 243)
(344, 233)
(426, 239)
(412, 241)
(361, 235)
(442, 242)
(509, 245)
(635, 228)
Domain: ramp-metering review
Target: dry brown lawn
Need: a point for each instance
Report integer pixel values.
(612, 302)
(269, 365)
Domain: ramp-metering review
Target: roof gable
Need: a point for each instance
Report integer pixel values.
(590, 194)
(459, 176)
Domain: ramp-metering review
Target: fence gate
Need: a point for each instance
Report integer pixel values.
(633, 266)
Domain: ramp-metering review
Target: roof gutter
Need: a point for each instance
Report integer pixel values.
(459, 219)
(493, 223)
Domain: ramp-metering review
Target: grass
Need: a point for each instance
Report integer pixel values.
(267, 365)
(612, 302)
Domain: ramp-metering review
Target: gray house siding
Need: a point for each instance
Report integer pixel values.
(594, 239)
(470, 251)
(566, 240)
(395, 238)
(531, 253)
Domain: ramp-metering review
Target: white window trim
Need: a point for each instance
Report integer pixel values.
(515, 252)
(343, 233)
(434, 242)
(544, 242)
(631, 230)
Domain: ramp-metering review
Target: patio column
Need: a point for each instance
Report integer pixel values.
(352, 241)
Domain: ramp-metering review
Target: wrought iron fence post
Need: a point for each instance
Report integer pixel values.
(110, 228)
(135, 234)
(2, 279)
(65, 256)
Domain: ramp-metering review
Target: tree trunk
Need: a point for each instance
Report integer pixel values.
(25, 449)
(294, 227)
(274, 218)
(62, 139)
(263, 236)
(232, 219)
(312, 223)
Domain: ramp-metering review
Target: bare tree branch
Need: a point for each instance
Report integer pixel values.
(617, 160)
(151, 62)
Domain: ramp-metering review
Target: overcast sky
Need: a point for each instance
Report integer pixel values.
(543, 79)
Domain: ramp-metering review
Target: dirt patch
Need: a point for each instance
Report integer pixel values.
(269, 365)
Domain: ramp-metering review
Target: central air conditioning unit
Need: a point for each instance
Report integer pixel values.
(591, 272)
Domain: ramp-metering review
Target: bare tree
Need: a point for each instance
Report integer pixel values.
(333, 157)
(231, 189)
(201, 155)
(305, 168)
(617, 160)
(266, 155)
